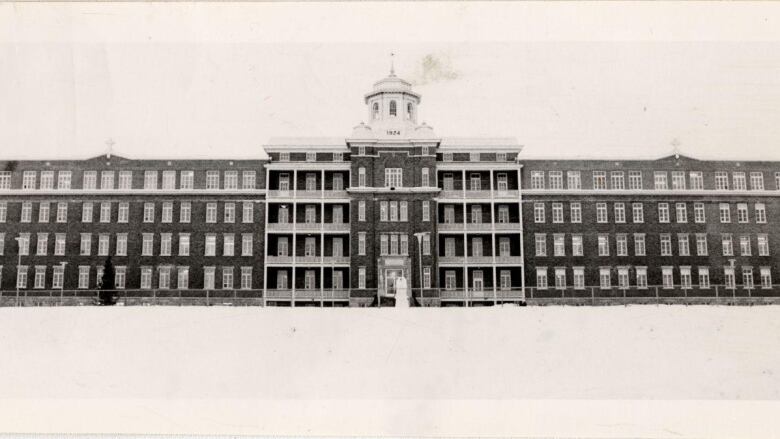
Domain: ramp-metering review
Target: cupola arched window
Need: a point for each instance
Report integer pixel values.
(376, 110)
(393, 110)
(409, 111)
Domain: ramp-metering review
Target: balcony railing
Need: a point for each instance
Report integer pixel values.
(289, 227)
(478, 227)
(480, 294)
(308, 294)
(473, 260)
(315, 194)
(481, 194)
(327, 260)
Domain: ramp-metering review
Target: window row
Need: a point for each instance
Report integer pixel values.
(666, 211)
(123, 180)
(311, 156)
(310, 248)
(687, 244)
(636, 277)
(662, 180)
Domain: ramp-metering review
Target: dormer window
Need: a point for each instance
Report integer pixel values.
(311, 156)
(393, 109)
(409, 111)
(376, 110)
(284, 156)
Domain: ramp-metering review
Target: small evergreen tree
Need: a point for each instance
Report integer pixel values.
(108, 283)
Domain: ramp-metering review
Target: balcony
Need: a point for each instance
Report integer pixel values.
(304, 194)
(474, 260)
(485, 294)
(327, 227)
(452, 260)
(279, 260)
(481, 194)
(478, 227)
(308, 294)
(308, 260)
(513, 260)
(513, 227)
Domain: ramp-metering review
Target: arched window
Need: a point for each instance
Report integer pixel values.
(409, 111)
(393, 111)
(376, 110)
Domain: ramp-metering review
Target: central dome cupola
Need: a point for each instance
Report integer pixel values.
(392, 102)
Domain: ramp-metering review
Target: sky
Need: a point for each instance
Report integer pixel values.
(186, 80)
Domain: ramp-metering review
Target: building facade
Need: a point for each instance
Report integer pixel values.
(339, 221)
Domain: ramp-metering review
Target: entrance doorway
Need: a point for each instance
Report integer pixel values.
(391, 275)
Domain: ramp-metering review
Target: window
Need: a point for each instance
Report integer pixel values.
(211, 212)
(697, 180)
(125, 180)
(742, 213)
(683, 244)
(284, 156)
(229, 244)
(186, 180)
(5, 180)
(21, 277)
(475, 182)
(183, 278)
(474, 157)
(504, 248)
(641, 277)
(638, 212)
(103, 243)
(760, 213)
(556, 180)
(667, 277)
(704, 278)
(739, 181)
(603, 245)
(579, 278)
(560, 278)
(281, 246)
(150, 180)
(559, 247)
(701, 244)
(212, 180)
(601, 213)
(424, 177)
(476, 246)
(247, 244)
(146, 278)
(393, 211)
(537, 179)
(599, 180)
(541, 278)
(747, 278)
(621, 242)
(678, 180)
(573, 180)
(722, 181)
(576, 212)
(682, 213)
(227, 278)
(47, 180)
(62, 212)
(169, 180)
(362, 277)
(165, 244)
(663, 212)
(728, 277)
(557, 212)
(249, 179)
(576, 245)
(58, 276)
(500, 156)
(622, 273)
(362, 177)
(744, 245)
(620, 213)
(426, 244)
(384, 249)
(26, 216)
(86, 244)
(28, 180)
(538, 212)
(404, 210)
(540, 240)
(766, 277)
(44, 212)
(725, 213)
(121, 244)
(618, 181)
(635, 180)
(231, 180)
(763, 245)
(605, 278)
(426, 211)
(43, 244)
(660, 180)
(230, 213)
(59, 244)
(726, 243)
(666, 244)
(698, 213)
(361, 243)
(393, 111)
(777, 181)
(447, 156)
(148, 212)
(685, 278)
(310, 247)
(311, 156)
(361, 210)
(383, 211)
(83, 276)
(208, 278)
(105, 212)
(185, 212)
(639, 244)
(107, 180)
(503, 183)
(147, 244)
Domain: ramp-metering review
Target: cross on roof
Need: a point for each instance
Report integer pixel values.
(392, 66)
(110, 144)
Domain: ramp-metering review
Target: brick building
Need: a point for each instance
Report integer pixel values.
(340, 221)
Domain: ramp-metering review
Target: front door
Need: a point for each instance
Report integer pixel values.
(391, 274)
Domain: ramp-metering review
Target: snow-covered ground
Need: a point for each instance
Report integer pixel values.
(499, 354)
